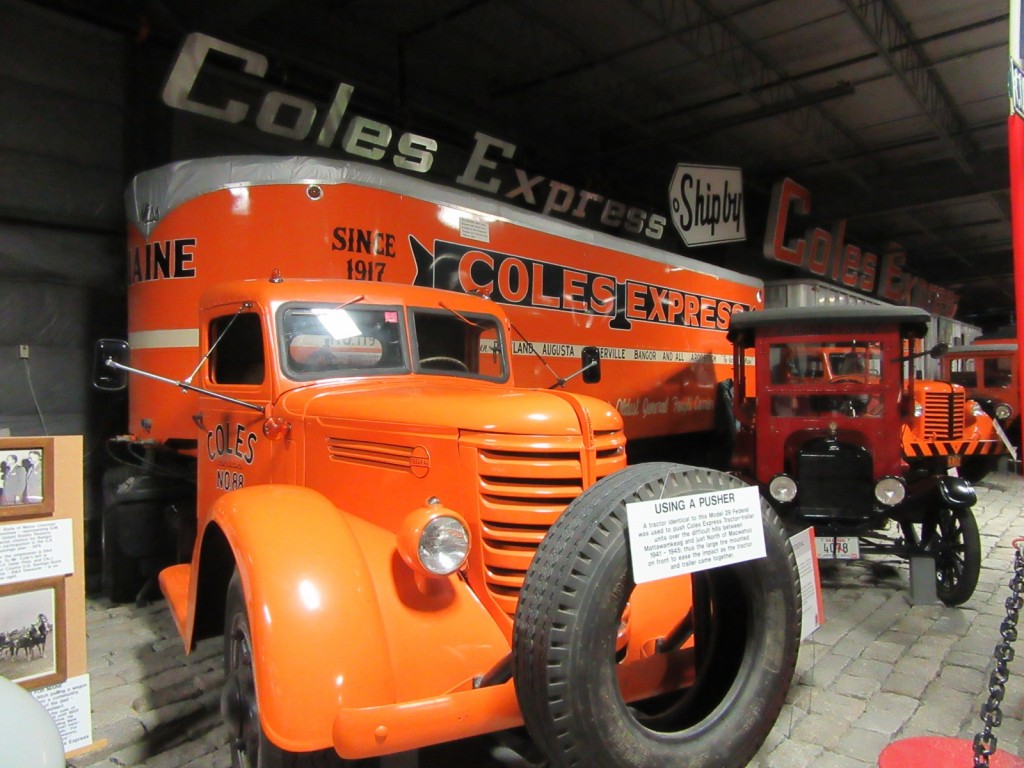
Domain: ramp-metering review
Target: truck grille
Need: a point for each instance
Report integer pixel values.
(835, 481)
(944, 415)
(524, 485)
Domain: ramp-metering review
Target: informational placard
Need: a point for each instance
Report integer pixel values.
(69, 705)
(36, 550)
(813, 609)
(672, 537)
(474, 229)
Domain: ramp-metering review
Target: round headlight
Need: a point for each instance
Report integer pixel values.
(1003, 412)
(433, 540)
(890, 491)
(918, 410)
(782, 488)
(443, 546)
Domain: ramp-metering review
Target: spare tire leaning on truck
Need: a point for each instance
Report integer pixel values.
(746, 619)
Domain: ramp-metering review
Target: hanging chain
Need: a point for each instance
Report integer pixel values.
(991, 714)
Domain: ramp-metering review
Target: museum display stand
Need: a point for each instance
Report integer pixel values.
(42, 580)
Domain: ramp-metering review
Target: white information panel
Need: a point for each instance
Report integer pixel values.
(36, 550)
(813, 609)
(69, 705)
(671, 537)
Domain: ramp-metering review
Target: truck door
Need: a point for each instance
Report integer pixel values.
(233, 453)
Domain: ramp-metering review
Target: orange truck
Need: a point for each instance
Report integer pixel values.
(989, 371)
(409, 530)
(658, 320)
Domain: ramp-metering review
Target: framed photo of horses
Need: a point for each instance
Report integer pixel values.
(33, 644)
(26, 477)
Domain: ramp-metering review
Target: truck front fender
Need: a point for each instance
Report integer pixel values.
(957, 492)
(318, 634)
(927, 493)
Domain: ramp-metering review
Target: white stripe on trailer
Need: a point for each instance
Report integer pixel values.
(549, 349)
(169, 338)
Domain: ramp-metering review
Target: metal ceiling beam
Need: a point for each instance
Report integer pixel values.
(883, 25)
(591, 59)
(717, 40)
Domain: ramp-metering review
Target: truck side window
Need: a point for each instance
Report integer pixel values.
(997, 372)
(238, 357)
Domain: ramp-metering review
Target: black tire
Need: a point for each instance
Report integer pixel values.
(951, 536)
(747, 628)
(250, 748)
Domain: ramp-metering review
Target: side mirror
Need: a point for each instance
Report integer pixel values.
(104, 375)
(938, 350)
(590, 362)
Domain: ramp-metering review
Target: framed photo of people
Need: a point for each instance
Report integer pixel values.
(33, 637)
(26, 477)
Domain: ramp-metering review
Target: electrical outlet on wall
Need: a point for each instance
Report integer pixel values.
(23, 352)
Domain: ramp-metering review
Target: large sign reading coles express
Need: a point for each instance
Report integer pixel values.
(227, 82)
(825, 254)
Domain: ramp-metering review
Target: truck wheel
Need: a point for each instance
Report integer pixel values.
(239, 707)
(566, 639)
(951, 536)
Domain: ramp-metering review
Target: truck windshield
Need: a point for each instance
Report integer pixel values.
(449, 342)
(814, 378)
(325, 340)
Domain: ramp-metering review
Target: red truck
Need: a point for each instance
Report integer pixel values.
(839, 433)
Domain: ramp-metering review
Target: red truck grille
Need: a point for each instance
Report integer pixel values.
(524, 486)
(944, 415)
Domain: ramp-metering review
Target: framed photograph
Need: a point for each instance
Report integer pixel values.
(26, 477)
(33, 636)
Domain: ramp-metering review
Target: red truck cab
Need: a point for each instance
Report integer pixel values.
(837, 447)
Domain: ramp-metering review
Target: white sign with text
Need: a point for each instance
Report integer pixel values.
(36, 550)
(707, 204)
(671, 537)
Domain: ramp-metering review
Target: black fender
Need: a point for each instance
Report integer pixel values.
(930, 492)
(956, 492)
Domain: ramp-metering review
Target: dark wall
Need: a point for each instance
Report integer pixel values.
(61, 220)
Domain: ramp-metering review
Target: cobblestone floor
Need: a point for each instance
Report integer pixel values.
(880, 669)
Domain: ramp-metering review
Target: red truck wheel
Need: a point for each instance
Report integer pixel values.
(250, 748)
(569, 614)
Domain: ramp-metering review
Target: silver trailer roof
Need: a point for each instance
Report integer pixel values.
(153, 194)
(975, 349)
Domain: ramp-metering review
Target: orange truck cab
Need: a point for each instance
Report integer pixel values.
(989, 371)
(404, 548)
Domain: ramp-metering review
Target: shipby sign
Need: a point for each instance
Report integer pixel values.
(197, 83)
(707, 204)
(825, 254)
